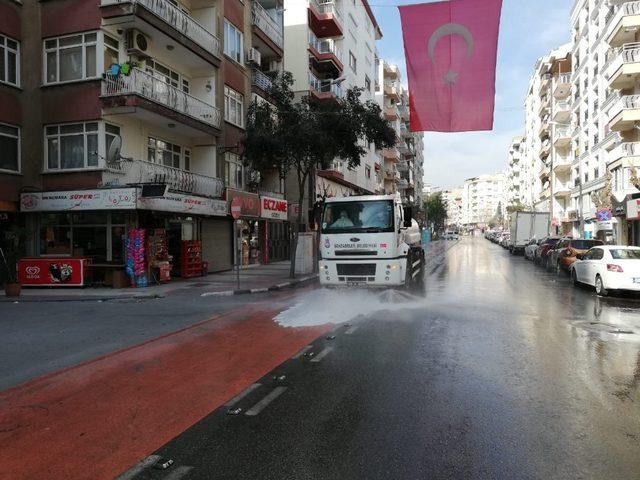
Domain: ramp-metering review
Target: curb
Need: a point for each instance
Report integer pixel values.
(280, 286)
(36, 299)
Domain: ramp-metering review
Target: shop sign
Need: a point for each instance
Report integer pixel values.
(607, 225)
(106, 199)
(52, 272)
(633, 209)
(274, 208)
(188, 204)
(250, 202)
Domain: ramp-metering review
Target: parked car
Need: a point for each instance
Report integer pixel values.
(542, 252)
(608, 267)
(505, 239)
(451, 235)
(530, 249)
(566, 251)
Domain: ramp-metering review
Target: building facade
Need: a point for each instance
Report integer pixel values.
(453, 199)
(100, 100)
(482, 200)
(515, 181)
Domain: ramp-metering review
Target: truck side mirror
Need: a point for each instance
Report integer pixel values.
(407, 216)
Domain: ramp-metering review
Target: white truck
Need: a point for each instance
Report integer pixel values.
(525, 226)
(369, 241)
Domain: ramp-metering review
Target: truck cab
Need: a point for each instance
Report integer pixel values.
(369, 241)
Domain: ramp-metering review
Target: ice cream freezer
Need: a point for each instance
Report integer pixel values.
(54, 272)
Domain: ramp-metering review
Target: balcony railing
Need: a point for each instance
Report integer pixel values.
(326, 45)
(269, 25)
(624, 150)
(262, 81)
(628, 53)
(615, 16)
(133, 172)
(324, 86)
(562, 132)
(626, 102)
(157, 90)
(178, 19)
(561, 106)
(329, 6)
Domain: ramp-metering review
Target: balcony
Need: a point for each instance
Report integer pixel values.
(544, 172)
(402, 166)
(624, 69)
(403, 184)
(626, 154)
(625, 24)
(391, 154)
(562, 165)
(268, 28)
(403, 149)
(404, 113)
(545, 193)
(168, 19)
(125, 94)
(562, 189)
(544, 105)
(325, 18)
(562, 137)
(624, 113)
(544, 128)
(324, 89)
(137, 172)
(404, 129)
(562, 85)
(392, 92)
(545, 80)
(390, 71)
(391, 113)
(561, 111)
(325, 55)
(545, 150)
(262, 81)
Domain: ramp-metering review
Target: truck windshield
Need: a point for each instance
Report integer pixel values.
(365, 217)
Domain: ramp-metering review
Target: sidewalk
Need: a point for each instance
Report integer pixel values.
(253, 279)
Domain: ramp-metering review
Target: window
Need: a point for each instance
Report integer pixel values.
(110, 133)
(9, 148)
(9, 61)
(232, 42)
(164, 153)
(70, 58)
(367, 83)
(111, 52)
(352, 61)
(71, 146)
(233, 107)
(233, 171)
(166, 74)
(367, 171)
(353, 21)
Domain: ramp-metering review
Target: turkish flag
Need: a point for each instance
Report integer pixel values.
(450, 49)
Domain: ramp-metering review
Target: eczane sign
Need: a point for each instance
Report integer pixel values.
(274, 208)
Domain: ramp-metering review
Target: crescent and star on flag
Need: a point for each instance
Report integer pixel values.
(445, 30)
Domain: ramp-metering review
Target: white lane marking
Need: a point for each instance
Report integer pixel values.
(302, 352)
(262, 404)
(138, 467)
(322, 354)
(351, 329)
(178, 473)
(242, 394)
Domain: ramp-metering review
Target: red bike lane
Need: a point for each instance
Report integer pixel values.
(97, 419)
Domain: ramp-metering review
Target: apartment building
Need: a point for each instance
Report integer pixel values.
(169, 83)
(453, 199)
(389, 95)
(330, 47)
(515, 181)
(482, 199)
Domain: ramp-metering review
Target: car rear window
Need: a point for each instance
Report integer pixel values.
(625, 253)
(551, 241)
(585, 244)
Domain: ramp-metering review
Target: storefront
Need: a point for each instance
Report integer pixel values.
(248, 229)
(118, 231)
(275, 240)
(633, 220)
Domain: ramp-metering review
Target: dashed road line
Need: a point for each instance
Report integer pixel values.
(302, 352)
(262, 404)
(351, 329)
(178, 473)
(322, 354)
(242, 394)
(139, 467)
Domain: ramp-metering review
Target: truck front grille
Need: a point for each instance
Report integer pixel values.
(356, 269)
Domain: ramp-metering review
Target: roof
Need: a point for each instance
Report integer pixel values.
(372, 16)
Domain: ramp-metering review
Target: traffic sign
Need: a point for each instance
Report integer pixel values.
(236, 207)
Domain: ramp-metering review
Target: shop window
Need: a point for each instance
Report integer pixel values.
(9, 61)
(70, 58)
(71, 146)
(233, 171)
(9, 148)
(233, 107)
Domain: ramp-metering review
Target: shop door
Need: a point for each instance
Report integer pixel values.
(278, 241)
(217, 242)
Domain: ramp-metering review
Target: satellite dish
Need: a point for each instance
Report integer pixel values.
(113, 155)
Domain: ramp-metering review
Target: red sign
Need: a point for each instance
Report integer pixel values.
(236, 207)
(52, 272)
(250, 202)
(275, 208)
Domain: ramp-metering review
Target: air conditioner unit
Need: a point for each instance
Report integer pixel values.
(253, 56)
(274, 66)
(136, 42)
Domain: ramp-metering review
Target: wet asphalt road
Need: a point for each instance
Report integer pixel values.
(498, 370)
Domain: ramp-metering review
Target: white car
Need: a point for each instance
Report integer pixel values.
(530, 250)
(608, 267)
(451, 235)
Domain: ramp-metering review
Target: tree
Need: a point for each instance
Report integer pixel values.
(300, 135)
(515, 207)
(436, 209)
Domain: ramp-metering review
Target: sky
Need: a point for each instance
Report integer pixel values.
(529, 29)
